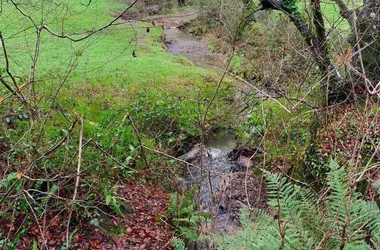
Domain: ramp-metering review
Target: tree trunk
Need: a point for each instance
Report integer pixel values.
(366, 44)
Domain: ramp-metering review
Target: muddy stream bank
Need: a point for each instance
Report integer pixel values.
(178, 42)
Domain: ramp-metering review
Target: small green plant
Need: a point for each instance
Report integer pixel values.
(11, 244)
(182, 211)
(178, 243)
(70, 240)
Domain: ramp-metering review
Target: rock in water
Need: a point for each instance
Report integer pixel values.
(193, 154)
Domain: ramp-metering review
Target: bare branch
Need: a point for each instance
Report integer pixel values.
(6, 58)
(53, 148)
(4, 82)
(139, 139)
(109, 155)
(63, 36)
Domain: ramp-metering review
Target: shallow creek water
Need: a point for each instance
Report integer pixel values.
(178, 42)
(225, 185)
(216, 180)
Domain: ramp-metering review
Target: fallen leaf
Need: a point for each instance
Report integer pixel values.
(11, 227)
(95, 244)
(19, 175)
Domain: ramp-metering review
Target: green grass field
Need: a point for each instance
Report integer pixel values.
(332, 16)
(106, 76)
(104, 55)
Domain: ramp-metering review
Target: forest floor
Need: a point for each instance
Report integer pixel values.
(142, 227)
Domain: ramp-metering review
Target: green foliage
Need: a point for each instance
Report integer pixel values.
(70, 240)
(169, 4)
(182, 211)
(35, 245)
(376, 184)
(284, 133)
(292, 6)
(304, 221)
(248, 15)
(178, 244)
(11, 243)
(242, 67)
(112, 201)
(358, 218)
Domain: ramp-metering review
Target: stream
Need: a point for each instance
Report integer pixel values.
(226, 184)
(178, 42)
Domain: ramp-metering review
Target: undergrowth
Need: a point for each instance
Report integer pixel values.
(340, 217)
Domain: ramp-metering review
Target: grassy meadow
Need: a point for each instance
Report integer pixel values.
(124, 68)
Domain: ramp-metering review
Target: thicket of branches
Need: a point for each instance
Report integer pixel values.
(312, 95)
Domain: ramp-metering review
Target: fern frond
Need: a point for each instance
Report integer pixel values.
(371, 218)
(178, 243)
(343, 220)
(349, 215)
(292, 203)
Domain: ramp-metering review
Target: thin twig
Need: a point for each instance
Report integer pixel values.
(76, 181)
(139, 140)
(53, 148)
(109, 155)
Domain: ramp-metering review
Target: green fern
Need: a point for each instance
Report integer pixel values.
(257, 233)
(291, 203)
(178, 243)
(341, 219)
(181, 210)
